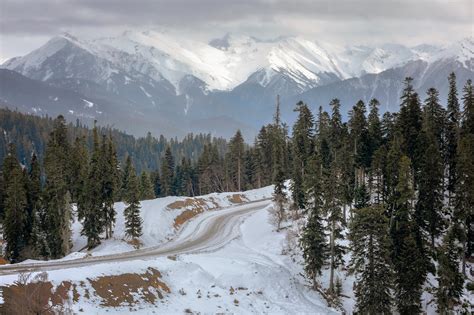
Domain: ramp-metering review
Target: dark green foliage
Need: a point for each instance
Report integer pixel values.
(235, 162)
(450, 279)
(370, 260)
(146, 187)
(133, 221)
(409, 260)
(15, 223)
(313, 241)
(452, 134)
(167, 172)
(93, 224)
(31, 133)
(109, 183)
(80, 172)
(302, 148)
(56, 197)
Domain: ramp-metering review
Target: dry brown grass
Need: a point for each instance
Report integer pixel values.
(195, 206)
(237, 198)
(124, 289)
(121, 290)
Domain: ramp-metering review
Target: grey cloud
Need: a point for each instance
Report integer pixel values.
(340, 21)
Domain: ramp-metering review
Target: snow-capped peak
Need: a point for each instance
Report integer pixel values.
(226, 62)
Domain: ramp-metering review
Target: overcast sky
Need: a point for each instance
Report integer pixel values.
(26, 24)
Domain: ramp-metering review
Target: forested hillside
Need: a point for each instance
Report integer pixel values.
(399, 188)
(30, 134)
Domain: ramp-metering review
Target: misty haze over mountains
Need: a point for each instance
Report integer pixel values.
(152, 81)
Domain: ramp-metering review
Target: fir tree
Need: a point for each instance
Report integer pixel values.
(109, 182)
(408, 259)
(133, 221)
(80, 171)
(302, 148)
(313, 240)
(370, 260)
(468, 109)
(465, 169)
(146, 187)
(452, 134)
(34, 191)
(56, 195)
(450, 279)
(235, 159)
(167, 173)
(429, 206)
(16, 213)
(93, 224)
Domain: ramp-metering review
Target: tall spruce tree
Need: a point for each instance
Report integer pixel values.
(167, 173)
(33, 228)
(133, 221)
(80, 172)
(370, 260)
(450, 279)
(56, 195)
(146, 187)
(452, 135)
(313, 240)
(93, 224)
(408, 259)
(110, 179)
(302, 148)
(235, 161)
(465, 169)
(15, 223)
(429, 206)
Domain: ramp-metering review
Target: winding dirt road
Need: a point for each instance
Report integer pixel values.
(207, 232)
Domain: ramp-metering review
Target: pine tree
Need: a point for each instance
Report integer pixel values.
(109, 183)
(374, 127)
(409, 125)
(16, 213)
(450, 279)
(93, 224)
(56, 195)
(370, 260)
(167, 173)
(333, 208)
(133, 221)
(313, 240)
(279, 195)
(235, 159)
(452, 135)
(465, 168)
(34, 191)
(302, 148)
(408, 259)
(468, 109)
(80, 171)
(464, 199)
(155, 178)
(429, 206)
(146, 187)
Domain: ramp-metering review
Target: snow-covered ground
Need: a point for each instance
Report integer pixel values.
(247, 275)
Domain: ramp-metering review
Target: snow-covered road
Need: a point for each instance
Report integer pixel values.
(205, 233)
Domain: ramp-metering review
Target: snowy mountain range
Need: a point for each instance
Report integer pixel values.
(172, 85)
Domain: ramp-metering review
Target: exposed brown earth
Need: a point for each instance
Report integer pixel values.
(120, 290)
(195, 206)
(237, 198)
